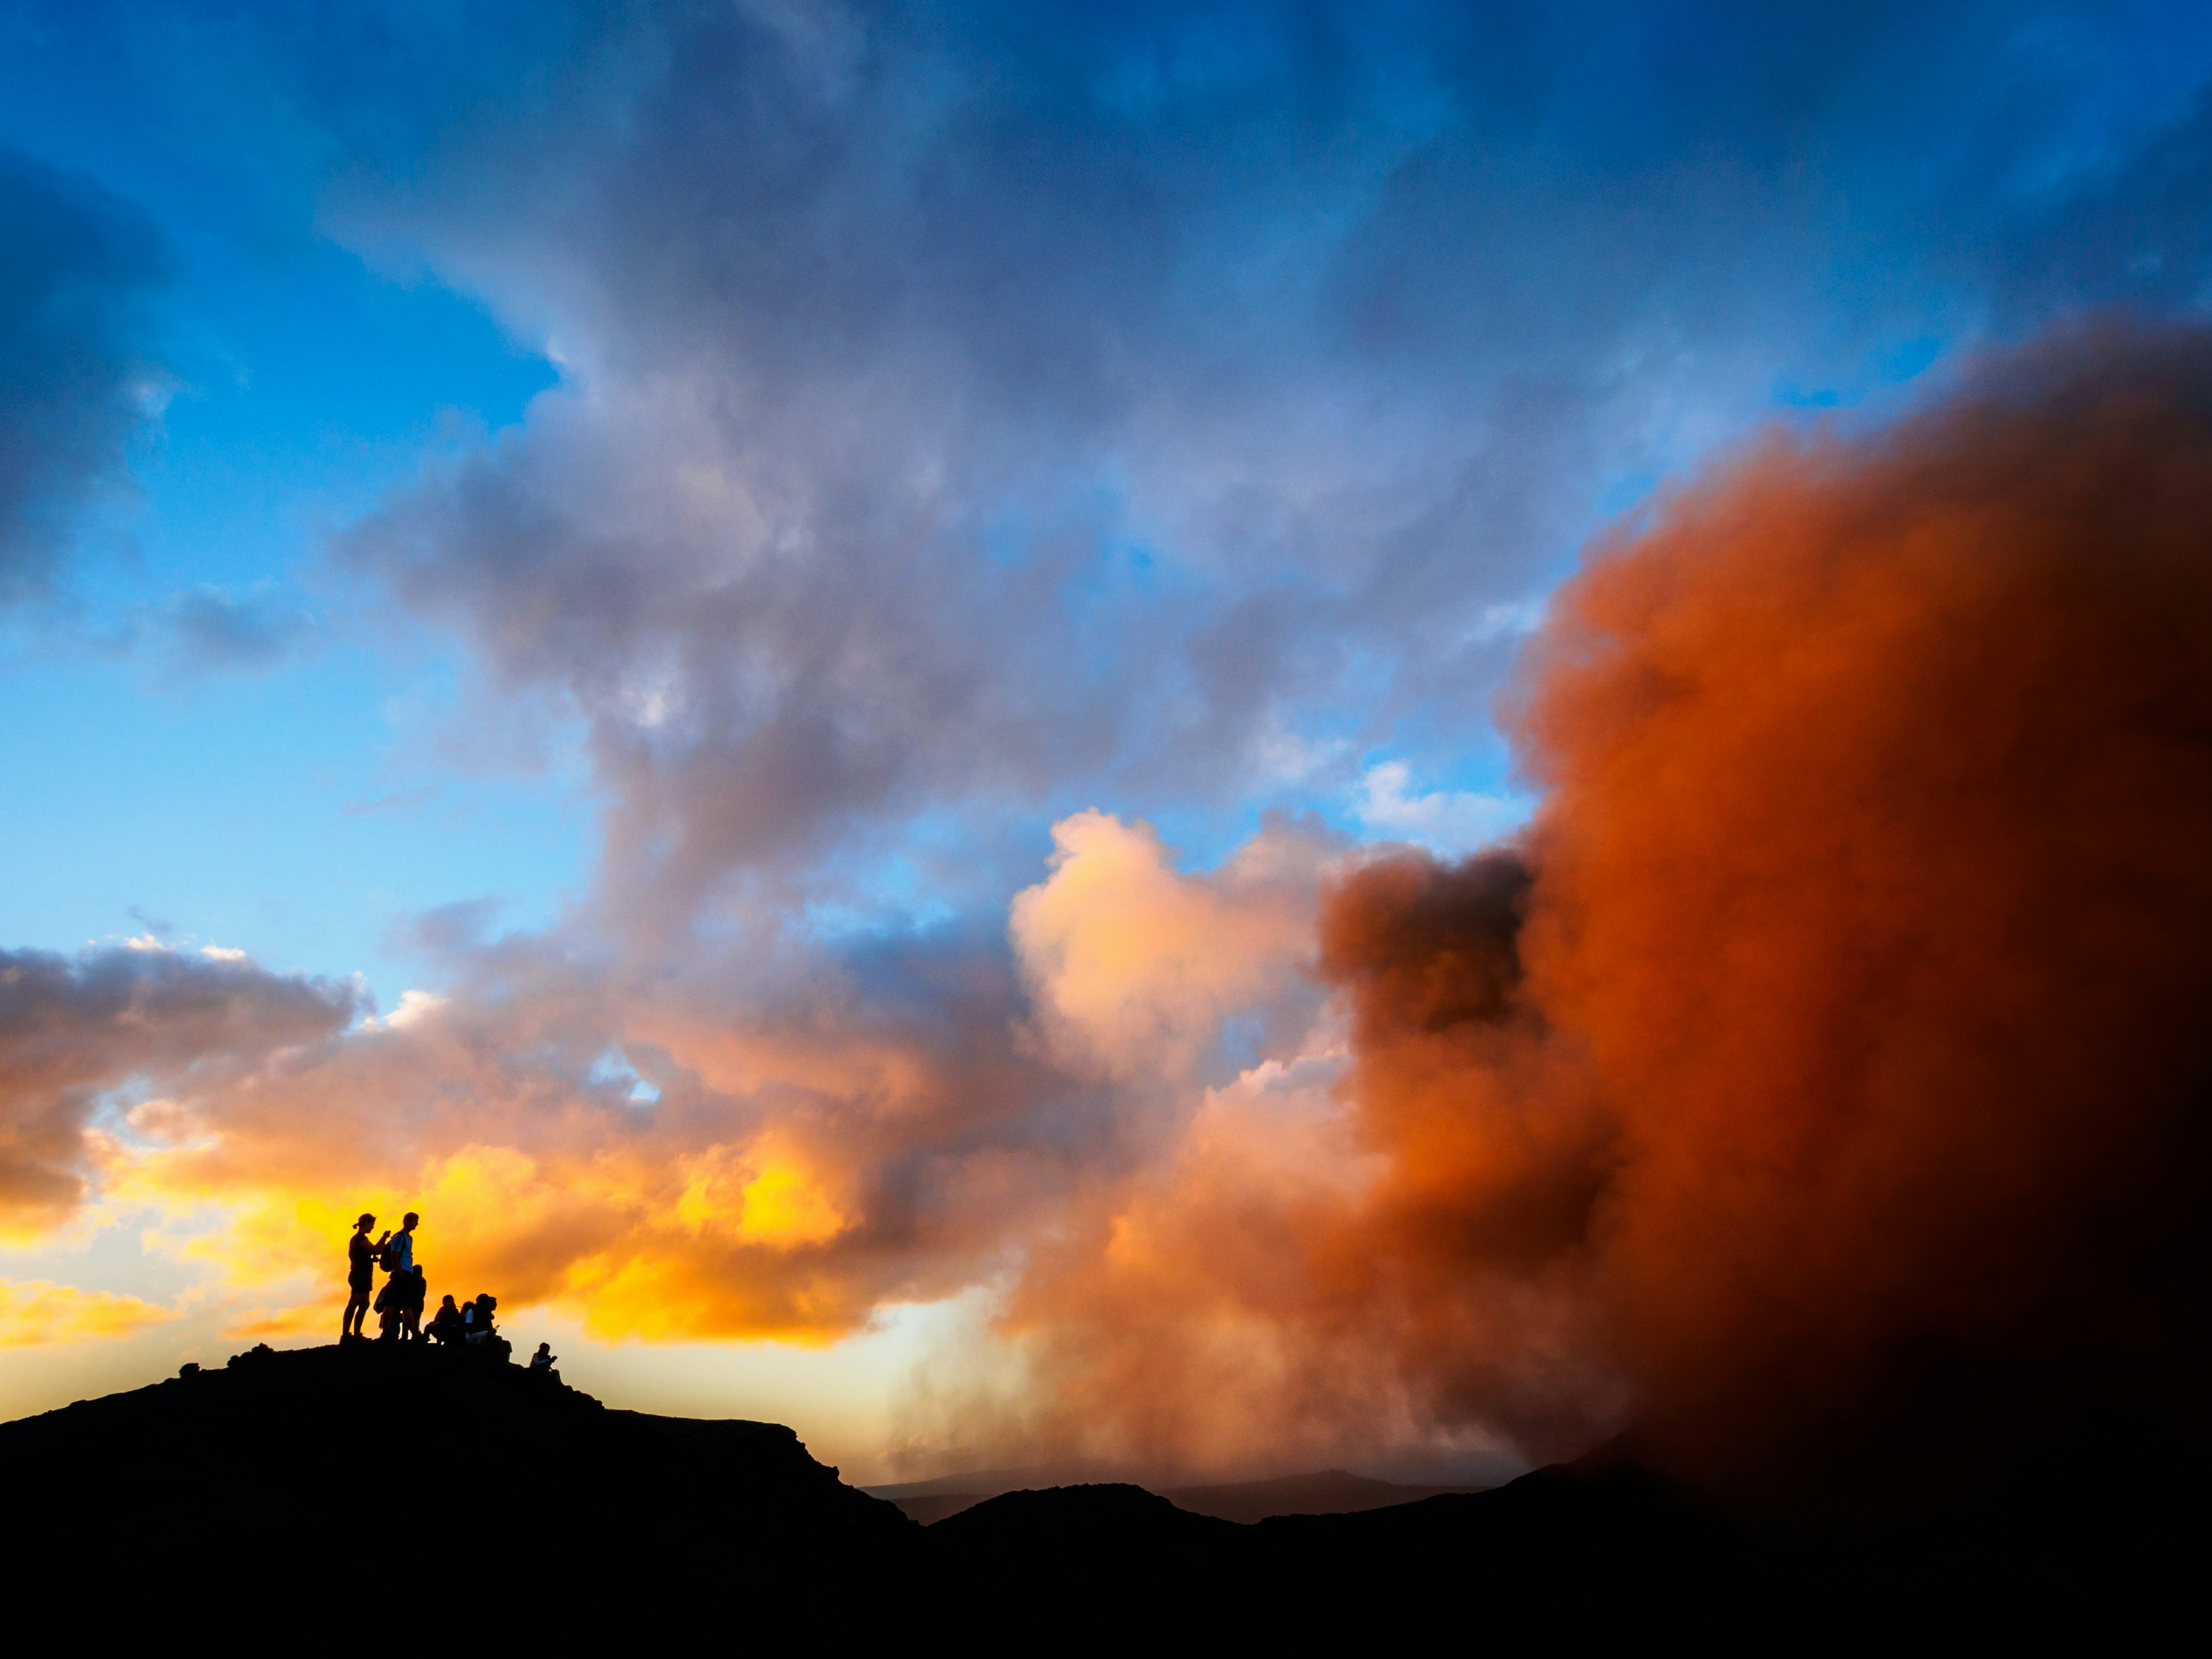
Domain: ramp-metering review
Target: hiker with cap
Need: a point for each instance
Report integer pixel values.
(361, 1276)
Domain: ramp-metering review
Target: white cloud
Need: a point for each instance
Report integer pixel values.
(414, 1006)
(1445, 820)
(222, 953)
(1518, 616)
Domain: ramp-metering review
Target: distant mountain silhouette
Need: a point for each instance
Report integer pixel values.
(408, 1493)
(1328, 1491)
(1325, 1491)
(929, 1501)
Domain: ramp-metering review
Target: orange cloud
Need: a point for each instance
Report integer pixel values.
(37, 1313)
(1819, 1092)
(1131, 966)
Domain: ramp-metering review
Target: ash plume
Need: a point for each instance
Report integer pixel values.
(1816, 1095)
(1863, 939)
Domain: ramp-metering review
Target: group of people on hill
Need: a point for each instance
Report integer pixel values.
(398, 1305)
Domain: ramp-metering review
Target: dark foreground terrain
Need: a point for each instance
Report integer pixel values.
(375, 1492)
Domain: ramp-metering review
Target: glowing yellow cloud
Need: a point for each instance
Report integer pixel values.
(39, 1312)
(762, 1196)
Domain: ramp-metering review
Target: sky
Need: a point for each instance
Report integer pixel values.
(732, 647)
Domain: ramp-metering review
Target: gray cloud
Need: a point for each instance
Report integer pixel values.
(974, 406)
(72, 1028)
(76, 268)
(209, 630)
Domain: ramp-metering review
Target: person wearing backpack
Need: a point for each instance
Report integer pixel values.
(397, 1252)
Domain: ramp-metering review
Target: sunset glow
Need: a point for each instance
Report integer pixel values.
(1218, 738)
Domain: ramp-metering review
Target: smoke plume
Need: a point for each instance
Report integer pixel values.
(1836, 1052)
(1815, 1094)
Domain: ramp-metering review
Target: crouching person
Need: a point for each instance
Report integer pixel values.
(445, 1326)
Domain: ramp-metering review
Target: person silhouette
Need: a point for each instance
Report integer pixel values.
(361, 1276)
(415, 1292)
(476, 1318)
(389, 1300)
(399, 1254)
(544, 1359)
(478, 1331)
(446, 1323)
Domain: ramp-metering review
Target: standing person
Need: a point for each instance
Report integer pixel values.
(360, 1269)
(396, 1255)
(399, 1254)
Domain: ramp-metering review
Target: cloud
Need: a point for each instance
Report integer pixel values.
(37, 1313)
(74, 1029)
(782, 1173)
(1445, 820)
(75, 272)
(1104, 407)
(785, 1146)
(1818, 1096)
(414, 1005)
(210, 631)
(969, 415)
(1132, 967)
(1811, 1089)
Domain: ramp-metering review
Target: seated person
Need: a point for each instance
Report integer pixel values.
(411, 1308)
(543, 1359)
(388, 1302)
(446, 1323)
(477, 1320)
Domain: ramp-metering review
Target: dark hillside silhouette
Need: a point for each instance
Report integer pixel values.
(291, 1478)
(283, 1492)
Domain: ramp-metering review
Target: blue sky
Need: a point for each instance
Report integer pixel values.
(640, 520)
(256, 780)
